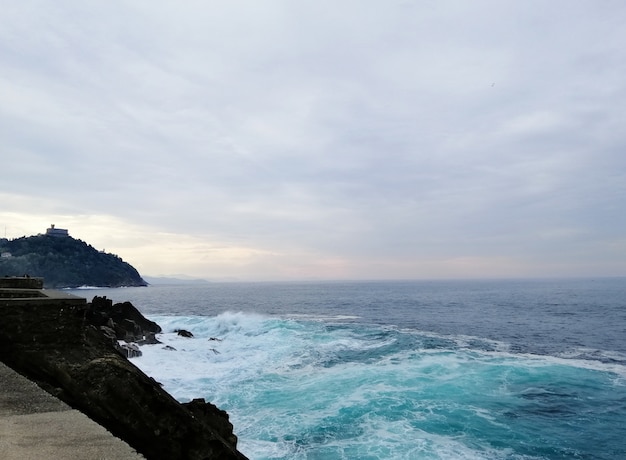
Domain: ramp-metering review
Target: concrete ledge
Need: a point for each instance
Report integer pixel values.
(35, 425)
(21, 282)
(23, 290)
(16, 297)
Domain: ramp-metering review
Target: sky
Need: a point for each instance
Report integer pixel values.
(304, 140)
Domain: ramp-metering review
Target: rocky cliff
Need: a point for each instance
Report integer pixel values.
(69, 350)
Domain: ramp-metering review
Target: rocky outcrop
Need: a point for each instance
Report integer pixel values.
(219, 418)
(184, 333)
(62, 347)
(122, 321)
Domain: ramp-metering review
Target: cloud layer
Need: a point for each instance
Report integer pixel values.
(359, 139)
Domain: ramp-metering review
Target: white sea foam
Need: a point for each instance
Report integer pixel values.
(301, 389)
(86, 288)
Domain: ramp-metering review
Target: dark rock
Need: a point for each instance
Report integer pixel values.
(149, 339)
(184, 333)
(130, 350)
(127, 322)
(109, 333)
(122, 321)
(214, 416)
(59, 347)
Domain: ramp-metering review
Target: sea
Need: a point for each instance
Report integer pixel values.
(480, 369)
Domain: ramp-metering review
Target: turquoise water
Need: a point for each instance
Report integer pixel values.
(464, 370)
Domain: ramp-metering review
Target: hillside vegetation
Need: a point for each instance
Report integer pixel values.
(65, 262)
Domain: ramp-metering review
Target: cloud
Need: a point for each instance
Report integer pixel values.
(265, 140)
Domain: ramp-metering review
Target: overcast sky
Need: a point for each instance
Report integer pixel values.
(297, 139)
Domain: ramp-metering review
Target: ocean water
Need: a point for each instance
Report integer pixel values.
(527, 369)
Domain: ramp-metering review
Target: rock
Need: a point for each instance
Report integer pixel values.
(149, 339)
(127, 322)
(214, 416)
(122, 322)
(109, 333)
(130, 350)
(184, 333)
(59, 347)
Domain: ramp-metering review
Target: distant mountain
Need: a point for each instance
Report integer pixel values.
(65, 262)
(174, 279)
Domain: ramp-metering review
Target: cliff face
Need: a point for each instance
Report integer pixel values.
(65, 262)
(60, 348)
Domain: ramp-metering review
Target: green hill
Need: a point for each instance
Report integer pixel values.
(65, 262)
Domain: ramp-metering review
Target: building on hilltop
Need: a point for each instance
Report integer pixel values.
(58, 232)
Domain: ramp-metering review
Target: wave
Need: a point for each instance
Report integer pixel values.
(307, 388)
(312, 334)
(84, 288)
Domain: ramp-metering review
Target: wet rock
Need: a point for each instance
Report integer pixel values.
(127, 322)
(214, 416)
(184, 333)
(149, 339)
(130, 350)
